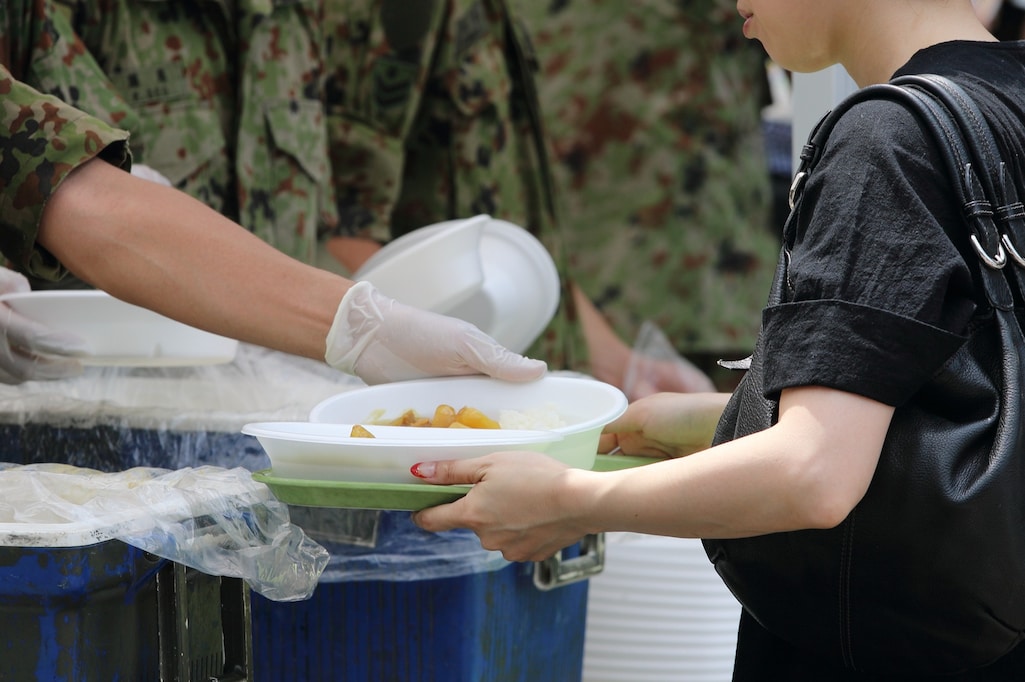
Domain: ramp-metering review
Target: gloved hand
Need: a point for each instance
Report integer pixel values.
(29, 350)
(146, 173)
(381, 340)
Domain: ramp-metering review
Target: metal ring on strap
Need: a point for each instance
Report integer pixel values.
(996, 262)
(1009, 247)
(795, 187)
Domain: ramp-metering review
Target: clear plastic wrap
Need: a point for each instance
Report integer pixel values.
(404, 552)
(655, 364)
(168, 417)
(116, 418)
(218, 521)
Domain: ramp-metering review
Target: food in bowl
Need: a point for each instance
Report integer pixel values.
(573, 407)
(445, 416)
(359, 431)
(532, 419)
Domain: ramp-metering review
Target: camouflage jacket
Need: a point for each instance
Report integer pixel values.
(432, 115)
(42, 139)
(225, 99)
(653, 107)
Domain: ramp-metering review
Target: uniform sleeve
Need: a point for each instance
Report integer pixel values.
(878, 296)
(46, 53)
(42, 139)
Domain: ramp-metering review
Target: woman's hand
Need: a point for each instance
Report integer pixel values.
(665, 425)
(522, 503)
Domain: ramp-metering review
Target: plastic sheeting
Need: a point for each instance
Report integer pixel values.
(218, 521)
(116, 418)
(404, 552)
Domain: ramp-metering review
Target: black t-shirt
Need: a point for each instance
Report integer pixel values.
(880, 295)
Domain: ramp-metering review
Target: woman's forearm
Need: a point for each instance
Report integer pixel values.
(807, 471)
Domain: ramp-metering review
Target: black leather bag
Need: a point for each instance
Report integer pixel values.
(926, 576)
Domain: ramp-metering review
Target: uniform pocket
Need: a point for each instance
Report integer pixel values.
(187, 145)
(299, 138)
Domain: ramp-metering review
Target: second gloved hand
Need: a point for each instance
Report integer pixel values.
(29, 350)
(381, 340)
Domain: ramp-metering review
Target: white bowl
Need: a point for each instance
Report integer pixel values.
(119, 333)
(583, 405)
(434, 270)
(521, 287)
(517, 298)
(319, 451)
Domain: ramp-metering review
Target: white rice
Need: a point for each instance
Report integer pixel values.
(543, 418)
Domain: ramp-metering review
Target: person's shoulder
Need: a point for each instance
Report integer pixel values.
(879, 121)
(896, 120)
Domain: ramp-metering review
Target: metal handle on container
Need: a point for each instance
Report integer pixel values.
(198, 641)
(555, 571)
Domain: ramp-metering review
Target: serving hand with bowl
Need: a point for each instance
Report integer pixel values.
(51, 334)
(31, 350)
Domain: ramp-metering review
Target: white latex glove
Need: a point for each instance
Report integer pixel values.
(146, 173)
(29, 350)
(381, 340)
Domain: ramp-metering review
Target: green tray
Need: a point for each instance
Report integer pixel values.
(359, 495)
(393, 496)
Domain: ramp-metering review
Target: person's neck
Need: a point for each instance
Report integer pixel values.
(885, 39)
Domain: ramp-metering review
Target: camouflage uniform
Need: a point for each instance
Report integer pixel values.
(225, 100)
(432, 115)
(42, 139)
(653, 108)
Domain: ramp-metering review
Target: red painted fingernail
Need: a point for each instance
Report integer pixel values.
(422, 469)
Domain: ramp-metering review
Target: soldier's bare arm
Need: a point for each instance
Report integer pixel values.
(161, 249)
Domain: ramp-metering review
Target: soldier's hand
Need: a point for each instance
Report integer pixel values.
(380, 340)
(29, 350)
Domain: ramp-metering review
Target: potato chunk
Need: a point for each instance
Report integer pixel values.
(475, 419)
(360, 432)
(444, 415)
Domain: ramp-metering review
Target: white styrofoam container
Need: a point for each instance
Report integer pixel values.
(584, 405)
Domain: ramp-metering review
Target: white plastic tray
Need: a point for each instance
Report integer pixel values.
(122, 334)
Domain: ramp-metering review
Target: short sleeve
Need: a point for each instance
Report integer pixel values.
(878, 296)
(41, 141)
